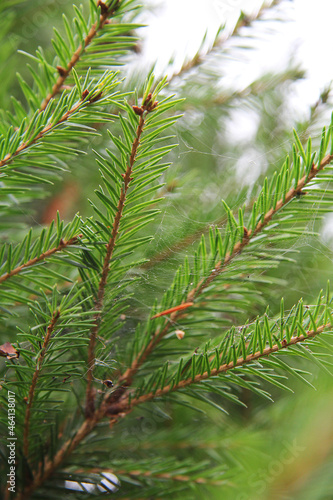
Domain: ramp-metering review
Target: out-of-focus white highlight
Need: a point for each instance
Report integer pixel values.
(109, 483)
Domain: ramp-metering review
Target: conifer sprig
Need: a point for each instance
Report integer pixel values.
(267, 205)
(39, 366)
(80, 364)
(33, 266)
(147, 106)
(47, 129)
(239, 351)
(106, 12)
(239, 362)
(43, 256)
(42, 125)
(264, 221)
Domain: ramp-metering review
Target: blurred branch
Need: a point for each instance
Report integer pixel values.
(143, 111)
(242, 22)
(39, 364)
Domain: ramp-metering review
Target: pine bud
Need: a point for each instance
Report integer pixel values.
(62, 71)
(85, 94)
(103, 6)
(137, 110)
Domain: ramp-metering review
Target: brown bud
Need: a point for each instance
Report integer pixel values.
(62, 71)
(85, 94)
(104, 8)
(96, 97)
(137, 110)
(147, 100)
(151, 106)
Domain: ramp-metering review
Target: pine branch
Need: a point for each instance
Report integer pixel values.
(106, 13)
(62, 245)
(34, 381)
(47, 129)
(127, 403)
(146, 108)
(258, 346)
(248, 235)
(94, 417)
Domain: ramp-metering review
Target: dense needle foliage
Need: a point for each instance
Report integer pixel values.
(145, 338)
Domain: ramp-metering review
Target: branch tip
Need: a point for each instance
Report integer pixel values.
(90, 397)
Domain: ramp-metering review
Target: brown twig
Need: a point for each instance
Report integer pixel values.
(63, 244)
(64, 72)
(127, 377)
(146, 107)
(39, 365)
(147, 473)
(181, 307)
